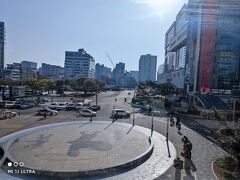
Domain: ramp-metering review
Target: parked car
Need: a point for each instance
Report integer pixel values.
(147, 108)
(48, 111)
(53, 105)
(87, 103)
(79, 106)
(10, 105)
(70, 107)
(120, 113)
(26, 106)
(87, 113)
(61, 106)
(136, 105)
(95, 108)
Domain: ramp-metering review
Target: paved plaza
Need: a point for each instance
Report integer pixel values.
(203, 154)
(90, 146)
(79, 147)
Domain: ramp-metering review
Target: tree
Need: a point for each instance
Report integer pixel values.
(101, 84)
(59, 86)
(33, 84)
(89, 85)
(236, 147)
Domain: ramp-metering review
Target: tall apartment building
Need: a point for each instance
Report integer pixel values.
(2, 48)
(118, 74)
(52, 72)
(102, 72)
(79, 64)
(28, 70)
(147, 68)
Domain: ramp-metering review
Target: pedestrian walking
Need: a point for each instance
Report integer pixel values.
(115, 99)
(178, 125)
(187, 153)
(125, 100)
(45, 115)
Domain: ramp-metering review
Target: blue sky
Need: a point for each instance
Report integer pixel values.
(41, 30)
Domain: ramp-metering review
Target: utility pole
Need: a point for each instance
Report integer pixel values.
(96, 97)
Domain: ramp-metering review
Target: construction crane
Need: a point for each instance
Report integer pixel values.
(110, 59)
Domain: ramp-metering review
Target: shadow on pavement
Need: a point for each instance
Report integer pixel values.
(169, 154)
(178, 164)
(84, 125)
(130, 130)
(108, 126)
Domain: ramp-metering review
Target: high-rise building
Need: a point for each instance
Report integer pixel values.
(79, 64)
(160, 69)
(13, 72)
(129, 81)
(2, 48)
(147, 68)
(135, 75)
(28, 70)
(214, 44)
(51, 72)
(102, 72)
(118, 74)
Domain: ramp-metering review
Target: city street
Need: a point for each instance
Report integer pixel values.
(203, 154)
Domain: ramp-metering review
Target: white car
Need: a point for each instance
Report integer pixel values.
(79, 106)
(120, 113)
(53, 105)
(87, 113)
(62, 106)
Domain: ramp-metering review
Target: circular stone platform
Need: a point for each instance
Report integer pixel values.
(85, 147)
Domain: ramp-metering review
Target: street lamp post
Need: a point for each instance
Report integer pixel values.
(96, 97)
(167, 128)
(152, 126)
(133, 118)
(234, 107)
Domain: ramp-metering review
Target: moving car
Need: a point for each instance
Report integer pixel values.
(48, 111)
(120, 113)
(95, 107)
(87, 113)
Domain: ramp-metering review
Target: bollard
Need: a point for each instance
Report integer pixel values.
(91, 118)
